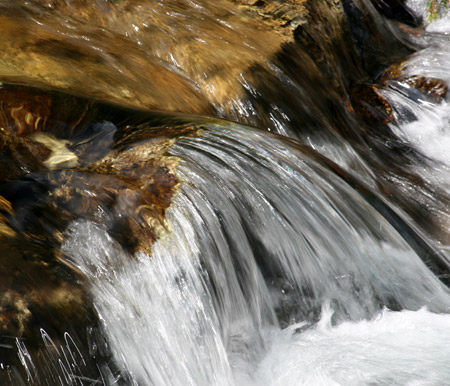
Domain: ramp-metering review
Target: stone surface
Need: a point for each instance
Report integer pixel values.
(194, 57)
(121, 169)
(433, 88)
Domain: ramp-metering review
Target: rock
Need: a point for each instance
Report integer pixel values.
(211, 65)
(19, 156)
(121, 169)
(40, 47)
(433, 88)
(371, 106)
(292, 64)
(397, 10)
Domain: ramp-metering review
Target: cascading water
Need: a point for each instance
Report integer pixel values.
(277, 261)
(205, 309)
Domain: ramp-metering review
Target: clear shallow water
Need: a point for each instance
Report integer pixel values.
(254, 285)
(204, 58)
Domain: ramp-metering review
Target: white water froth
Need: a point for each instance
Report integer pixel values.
(439, 25)
(309, 228)
(426, 125)
(429, 132)
(204, 308)
(395, 348)
(418, 7)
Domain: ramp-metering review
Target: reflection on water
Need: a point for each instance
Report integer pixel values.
(142, 246)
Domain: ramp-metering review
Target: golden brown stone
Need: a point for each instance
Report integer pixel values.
(79, 46)
(435, 89)
(370, 105)
(39, 46)
(5, 210)
(32, 289)
(122, 171)
(19, 156)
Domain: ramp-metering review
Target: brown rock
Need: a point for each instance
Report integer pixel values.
(122, 168)
(370, 105)
(433, 88)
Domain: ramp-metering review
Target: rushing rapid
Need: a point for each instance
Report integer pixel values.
(227, 299)
(310, 249)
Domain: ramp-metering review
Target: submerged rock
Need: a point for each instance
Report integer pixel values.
(228, 58)
(433, 88)
(371, 106)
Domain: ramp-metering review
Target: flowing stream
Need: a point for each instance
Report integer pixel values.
(284, 258)
(226, 299)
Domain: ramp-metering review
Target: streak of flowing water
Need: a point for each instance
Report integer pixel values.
(206, 308)
(240, 63)
(422, 124)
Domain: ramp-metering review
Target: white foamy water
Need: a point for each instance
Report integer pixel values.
(395, 348)
(423, 123)
(418, 7)
(155, 311)
(429, 131)
(439, 24)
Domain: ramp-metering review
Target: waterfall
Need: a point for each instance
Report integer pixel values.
(225, 297)
(299, 235)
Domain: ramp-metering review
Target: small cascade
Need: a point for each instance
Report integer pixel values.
(207, 306)
(294, 233)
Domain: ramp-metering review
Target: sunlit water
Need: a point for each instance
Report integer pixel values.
(422, 123)
(273, 270)
(254, 285)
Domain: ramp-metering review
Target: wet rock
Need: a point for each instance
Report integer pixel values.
(5, 210)
(19, 156)
(44, 46)
(211, 65)
(122, 178)
(119, 167)
(283, 16)
(397, 10)
(64, 158)
(371, 106)
(433, 88)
